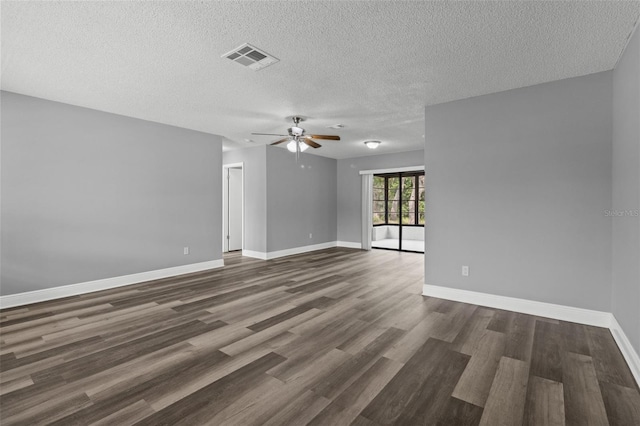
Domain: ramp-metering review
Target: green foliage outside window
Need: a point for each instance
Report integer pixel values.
(389, 212)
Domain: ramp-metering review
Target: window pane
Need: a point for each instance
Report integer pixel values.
(393, 212)
(378, 193)
(421, 180)
(378, 206)
(378, 182)
(408, 213)
(393, 190)
(408, 206)
(408, 191)
(409, 219)
(378, 218)
(421, 218)
(393, 205)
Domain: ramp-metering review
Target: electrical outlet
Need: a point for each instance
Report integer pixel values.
(185, 250)
(465, 271)
(310, 235)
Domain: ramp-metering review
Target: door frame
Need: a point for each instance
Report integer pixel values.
(225, 202)
(369, 197)
(400, 225)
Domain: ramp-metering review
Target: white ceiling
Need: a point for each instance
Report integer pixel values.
(371, 66)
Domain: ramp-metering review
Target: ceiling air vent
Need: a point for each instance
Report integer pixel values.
(251, 57)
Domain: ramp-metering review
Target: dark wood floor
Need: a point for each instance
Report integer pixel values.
(328, 338)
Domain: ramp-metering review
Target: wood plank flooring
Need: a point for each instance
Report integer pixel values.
(333, 337)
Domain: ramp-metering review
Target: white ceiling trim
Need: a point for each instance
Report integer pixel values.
(396, 170)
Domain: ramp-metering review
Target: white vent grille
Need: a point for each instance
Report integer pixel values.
(251, 57)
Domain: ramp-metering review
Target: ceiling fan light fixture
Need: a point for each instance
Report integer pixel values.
(297, 140)
(372, 144)
(291, 146)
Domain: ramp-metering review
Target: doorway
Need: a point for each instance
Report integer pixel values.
(398, 211)
(233, 207)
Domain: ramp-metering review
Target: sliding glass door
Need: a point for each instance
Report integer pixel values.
(398, 211)
(386, 208)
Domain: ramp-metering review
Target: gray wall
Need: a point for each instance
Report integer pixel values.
(626, 192)
(301, 199)
(349, 187)
(89, 195)
(517, 188)
(255, 195)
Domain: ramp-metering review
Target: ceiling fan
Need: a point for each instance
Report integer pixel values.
(298, 139)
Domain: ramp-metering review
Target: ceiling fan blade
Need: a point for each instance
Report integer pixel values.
(328, 137)
(280, 141)
(269, 134)
(311, 143)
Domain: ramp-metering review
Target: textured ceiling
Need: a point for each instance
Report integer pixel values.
(371, 66)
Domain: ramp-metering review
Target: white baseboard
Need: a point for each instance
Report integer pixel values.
(256, 254)
(531, 307)
(548, 310)
(629, 353)
(298, 250)
(349, 244)
(29, 297)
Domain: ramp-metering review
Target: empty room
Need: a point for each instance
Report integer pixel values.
(320, 213)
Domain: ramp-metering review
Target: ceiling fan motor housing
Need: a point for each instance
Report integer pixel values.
(297, 140)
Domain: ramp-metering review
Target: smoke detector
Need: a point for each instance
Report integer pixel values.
(251, 57)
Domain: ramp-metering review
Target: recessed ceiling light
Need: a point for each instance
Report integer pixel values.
(372, 144)
(336, 126)
(249, 140)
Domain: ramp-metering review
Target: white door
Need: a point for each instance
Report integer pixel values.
(234, 191)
